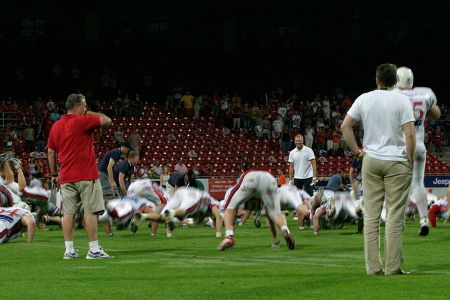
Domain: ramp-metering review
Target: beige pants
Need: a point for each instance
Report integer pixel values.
(88, 193)
(384, 181)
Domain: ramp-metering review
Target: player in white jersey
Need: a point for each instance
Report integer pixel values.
(12, 221)
(145, 188)
(439, 208)
(261, 185)
(189, 202)
(424, 104)
(291, 198)
(125, 208)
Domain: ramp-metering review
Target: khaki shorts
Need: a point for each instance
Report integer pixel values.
(88, 192)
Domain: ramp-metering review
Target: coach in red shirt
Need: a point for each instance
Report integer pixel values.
(71, 140)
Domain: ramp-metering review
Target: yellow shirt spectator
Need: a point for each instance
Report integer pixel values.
(187, 101)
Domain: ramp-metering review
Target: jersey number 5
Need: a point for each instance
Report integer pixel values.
(418, 112)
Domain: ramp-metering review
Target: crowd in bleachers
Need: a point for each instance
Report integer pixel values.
(214, 133)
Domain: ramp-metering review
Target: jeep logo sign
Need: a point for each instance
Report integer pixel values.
(437, 181)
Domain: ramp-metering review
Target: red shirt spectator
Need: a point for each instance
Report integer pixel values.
(71, 138)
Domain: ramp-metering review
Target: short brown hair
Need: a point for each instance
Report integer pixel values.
(133, 153)
(387, 75)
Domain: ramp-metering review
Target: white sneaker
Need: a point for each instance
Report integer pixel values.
(97, 255)
(70, 254)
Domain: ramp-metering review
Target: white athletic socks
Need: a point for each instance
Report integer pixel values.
(284, 228)
(69, 246)
(229, 233)
(93, 246)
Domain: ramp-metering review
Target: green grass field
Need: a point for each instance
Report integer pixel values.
(188, 266)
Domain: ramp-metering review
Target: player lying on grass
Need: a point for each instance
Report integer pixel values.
(190, 202)
(261, 185)
(13, 220)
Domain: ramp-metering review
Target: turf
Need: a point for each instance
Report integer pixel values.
(187, 266)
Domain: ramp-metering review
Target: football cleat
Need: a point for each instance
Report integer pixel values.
(289, 239)
(227, 243)
(424, 228)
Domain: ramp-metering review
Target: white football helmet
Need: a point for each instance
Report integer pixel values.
(405, 78)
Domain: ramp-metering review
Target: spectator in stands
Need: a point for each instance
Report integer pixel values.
(277, 127)
(286, 139)
(156, 169)
(187, 100)
(236, 100)
(255, 115)
(215, 105)
(224, 106)
(321, 138)
(180, 167)
(309, 136)
(245, 116)
(347, 102)
(164, 177)
(236, 114)
(28, 135)
(50, 104)
(336, 139)
(126, 105)
(281, 178)
(296, 120)
(118, 136)
(134, 139)
(330, 139)
(198, 104)
(53, 113)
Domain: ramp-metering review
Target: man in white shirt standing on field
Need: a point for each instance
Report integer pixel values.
(389, 144)
(302, 166)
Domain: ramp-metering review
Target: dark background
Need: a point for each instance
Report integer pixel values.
(307, 47)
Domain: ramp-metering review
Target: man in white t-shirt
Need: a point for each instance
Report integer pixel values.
(389, 145)
(424, 105)
(302, 166)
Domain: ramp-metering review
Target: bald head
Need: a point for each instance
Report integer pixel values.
(298, 140)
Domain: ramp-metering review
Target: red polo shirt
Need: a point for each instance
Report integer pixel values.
(71, 138)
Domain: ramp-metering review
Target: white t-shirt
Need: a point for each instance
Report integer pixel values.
(277, 125)
(383, 113)
(302, 162)
(422, 99)
(282, 111)
(309, 133)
